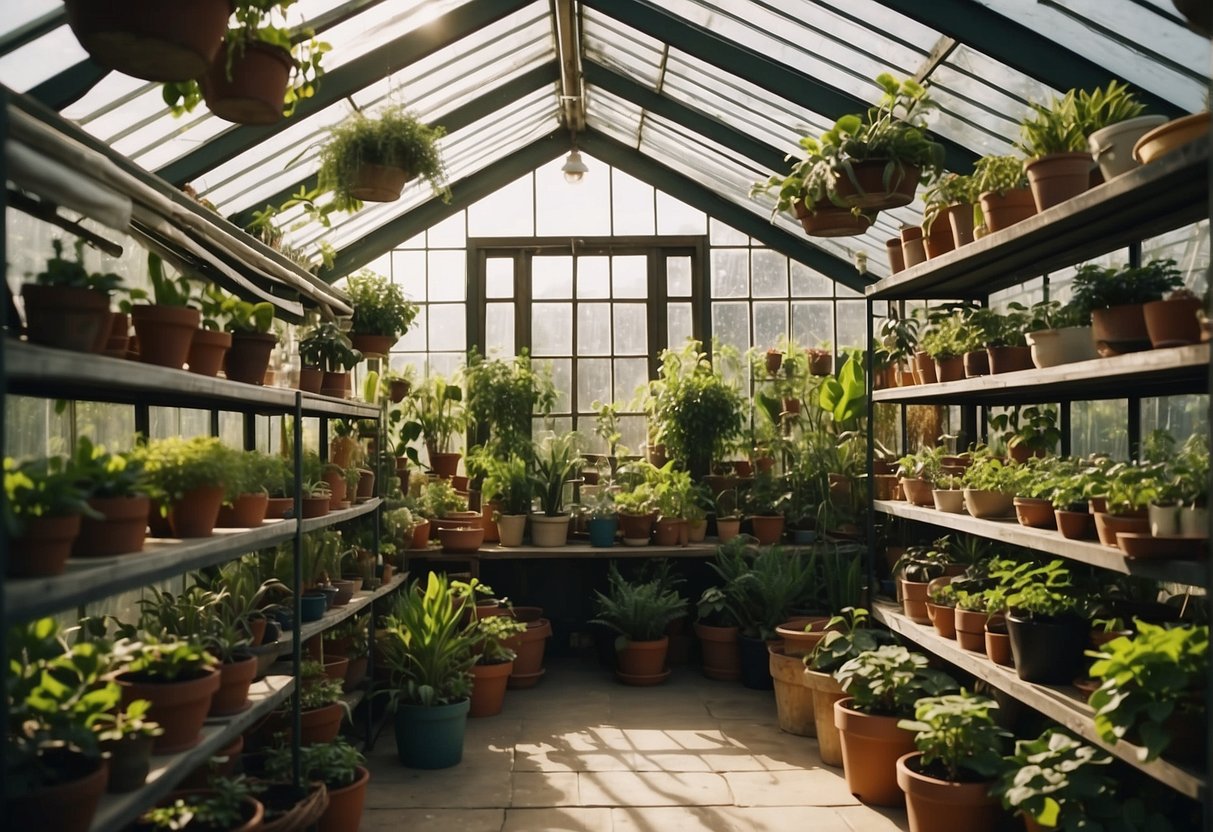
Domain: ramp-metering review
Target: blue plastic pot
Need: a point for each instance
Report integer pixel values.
(803, 537)
(314, 605)
(431, 737)
(602, 531)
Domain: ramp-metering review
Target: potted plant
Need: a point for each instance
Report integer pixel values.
(699, 410)
(639, 613)
(1054, 138)
(1048, 632)
(1114, 124)
(166, 326)
(557, 459)
(178, 678)
(989, 488)
(945, 342)
(1174, 321)
(765, 501)
(634, 502)
(604, 519)
(187, 479)
(382, 314)
(1152, 690)
(823, 219)
(252, 342)
(246, 501)
(914, 571)
(1129, 490)
(919, 472)
(948, 779)
(728, 516)
(941, 605)
(428, 649)
(127, 737)
(673, 494)
(438, 411)
(328, 348)
(1060, 334)
(947, 217)
(66, 305)
(43, 510)
(510, 485)
(1002, 187)
(340, 767)
(370, 159)
(226, 804)
(494, 663)
(882, 687)
(1027, 431)
(1115, 299)
(718, 628)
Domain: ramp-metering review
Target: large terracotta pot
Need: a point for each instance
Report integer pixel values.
(802, 635)
(488, 688)
(373, 345)
(123, 528)
(914, 601)
(207, 350)
(826, 691)
(445, 465)
(934, 805)
(64, 807)
(1004, 210)
(1107, 526)
(165, 333)
(871, 747)
(1058, 177)
(1173, 323)
(642, 663)
(1035, 513)
(251, 90)
(195, 514)
(1120, 329)
(768, 530)
(249, 357)
(180, 707)
(529, 646)
(247, 511)
(344, 812)
(793, 698)
(868, 191)
(65, 317)
(1075, 525)
(721, 652)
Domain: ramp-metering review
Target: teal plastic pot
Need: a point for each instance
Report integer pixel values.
(431, 737)
(602, 532)
(313, 605)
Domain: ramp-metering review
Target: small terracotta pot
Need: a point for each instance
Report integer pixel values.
(768, 529)
(971, 629)
(721, 652)
(276, 508)
(871, 746)
(1009, 359)
(445, 465)
(207, 349)
(977, 363)
(378, 183)
(887, 488)
(1035, 513)
(421, 535)
(914, 601)
(344, 812)
(247, 511)
(933, 805)
(43, 547)
(234, 681)
(1075, 525)
(315, 507)
(529, 646)
(336, 385)
(195, 514)
(1173, 323)
(1058, 177)
(913, 250)
(918, 491)
(251, 90)
(997, 642)
(960, 218)
(488, 688)
(249, 357)
(1120, 329)
(669, 532)
(366, 485)
(321, 724)
(926, 368)
(180, 707)
(727, 528)
(1003, 211)
(165, 333)
(310, 379)
(942, 619)
(940, 240)
(951, 368)
(897, 262)
(67, 318)
(642, 663)
(831, 221)
(123, 529)
(1107, 526)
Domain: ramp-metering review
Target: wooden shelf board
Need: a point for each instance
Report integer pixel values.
(1192, 573)
(1154, 198)
(571, 551)
(1167, 372)
(118, 810)
(1063, 704)
(336, 615)
(311, 524)
(86, 578)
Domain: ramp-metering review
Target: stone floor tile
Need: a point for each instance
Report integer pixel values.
(789, 788)
(564, 819)
(397, 787)
(726, 819)
(873, 818)
(432, 820)
(544, 789)
(653, 788)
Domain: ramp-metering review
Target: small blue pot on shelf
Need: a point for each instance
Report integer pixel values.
(314, 604)
(602, 531)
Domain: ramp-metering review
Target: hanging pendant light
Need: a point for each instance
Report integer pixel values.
(574, 169)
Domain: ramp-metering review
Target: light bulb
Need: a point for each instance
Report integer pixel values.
(574, 169)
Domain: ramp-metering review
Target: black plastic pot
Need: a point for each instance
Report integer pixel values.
(1047, 651)
(130, 761)
(755, 664)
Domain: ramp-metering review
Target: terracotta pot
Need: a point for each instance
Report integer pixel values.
(461, 539)
(315, 507)
(913, 249)
(421, 535)
(491, 533)
(721, 652)
(234, 681)
(642, 663)
(1107, 526)
(636, 528)
(1035, 513)
(310, 379)
(207, 350)
(997, 642)
(119, 335)
(951, 368)
(1171, 136)
(321, 724)
(165, 333)
(378, 183)
(950, 501)
(276, 508)
(372, 346)
(249, 89)
(246, 512)
(897, 261)
(1173, 323)
(867, 188)
(549, 531)
(768, 530)
(195, 514)
(1004, 210)
(976, 363)
(63, 807)
(669, 532)
(1053, 347)
(934, 805)
(970, 629)
(366, 485)
(345, 594)
(445, 465)
(926, 368)
(147, 40)
(1075, 525)
(1112, 146)
(918, 491)
(939, 240)
(180, 707)
(123, 529)
(529, 646)
(336, 385)
(1009, 359)
(249, 357)
(988, 505)
(914, 601)
(66, 318)
(960, 218)
(335, 477)
(1120, 329)
(887, 487)
(727, 528)
(398, 389)
(344, 812)
(802, 635)
(488, 688)
(130, 759)
(825, 691)
(831, 221)
(793, 698)
(942, 619)
(342, 450)
(1058, 177)
(871, 746)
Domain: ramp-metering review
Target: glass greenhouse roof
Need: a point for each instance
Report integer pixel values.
(713, 93)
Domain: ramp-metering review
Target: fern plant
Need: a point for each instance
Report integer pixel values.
(639, 611)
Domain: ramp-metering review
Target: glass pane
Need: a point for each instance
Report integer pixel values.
(630, 276)
(581, 208)
(509, 212)
(632, 428)
(730, 273)
(415, 339)
(769, 274)
(450, 233)
(593, 381)
(551, 277)
(1100, 426)
(678, 324)
(632, 206)
(725, 235)
(770, 322)
(408, 272)
(678, 277)
(593, 333)
(631, 335)
(499, 329)
(499, 277)
(813, 323)
(807, 282)
(852, 324)
(593, 277)
(630, 373)
(447, 271)
(676, 217)
(731, 324)
(562, 377)
(552, 329)
(1180, 416)
(448, 327)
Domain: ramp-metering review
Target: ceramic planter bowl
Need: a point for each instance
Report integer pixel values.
(1171, 136)
(871, 746)
(988, 505)
(793, 698)
(1112, 146)
(950, 501)
(1035, 513)
(1053, 347)
(1164, 520)
(1172, 323)
(458, 540)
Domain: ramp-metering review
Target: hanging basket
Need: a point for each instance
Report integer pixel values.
(864, 187)
(378, 183)
(832, 221)
(254, 92)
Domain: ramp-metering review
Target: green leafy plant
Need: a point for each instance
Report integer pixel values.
(504, 396)
(380, 307)
(428, 647)
(437, 408)
(947, 190)
(999, 174)
(510, 482)
(1098, 287)
(333, 763)
(439, 498)
(41, 488)
(164, 661)
(989, 473)
(1052, 314)
(557, 459)
(71, 274)
(637, 611)
(174, 466)
(698, 409)
(316, 689)
(127, 723)
(1040, 590)
(492, 632)
(889, 681)
(1033, 428)
(224, 805)
(957, 736)
(848, 634)
(327, 347)
(767, 495)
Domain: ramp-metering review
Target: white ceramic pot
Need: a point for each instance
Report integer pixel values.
(1112, 147)
(1193, 522)
(989, 505)
(511, 527)
(549, 531)
(1164, 520)
(1052, 347)
(951, 501)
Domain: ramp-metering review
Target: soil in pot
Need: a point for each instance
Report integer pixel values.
(1058, 177)
(123, 528)
(180, 707)
(1120, 329)
(1172, 323)
(1005, 210)
(66, 318)
(871, 746)
(249, 357)
(1047, 651)
(488, 688)
(793, 698)
(1009, 359)
(755, 663)
(935, 805)
(721, 652)
(165, 333)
